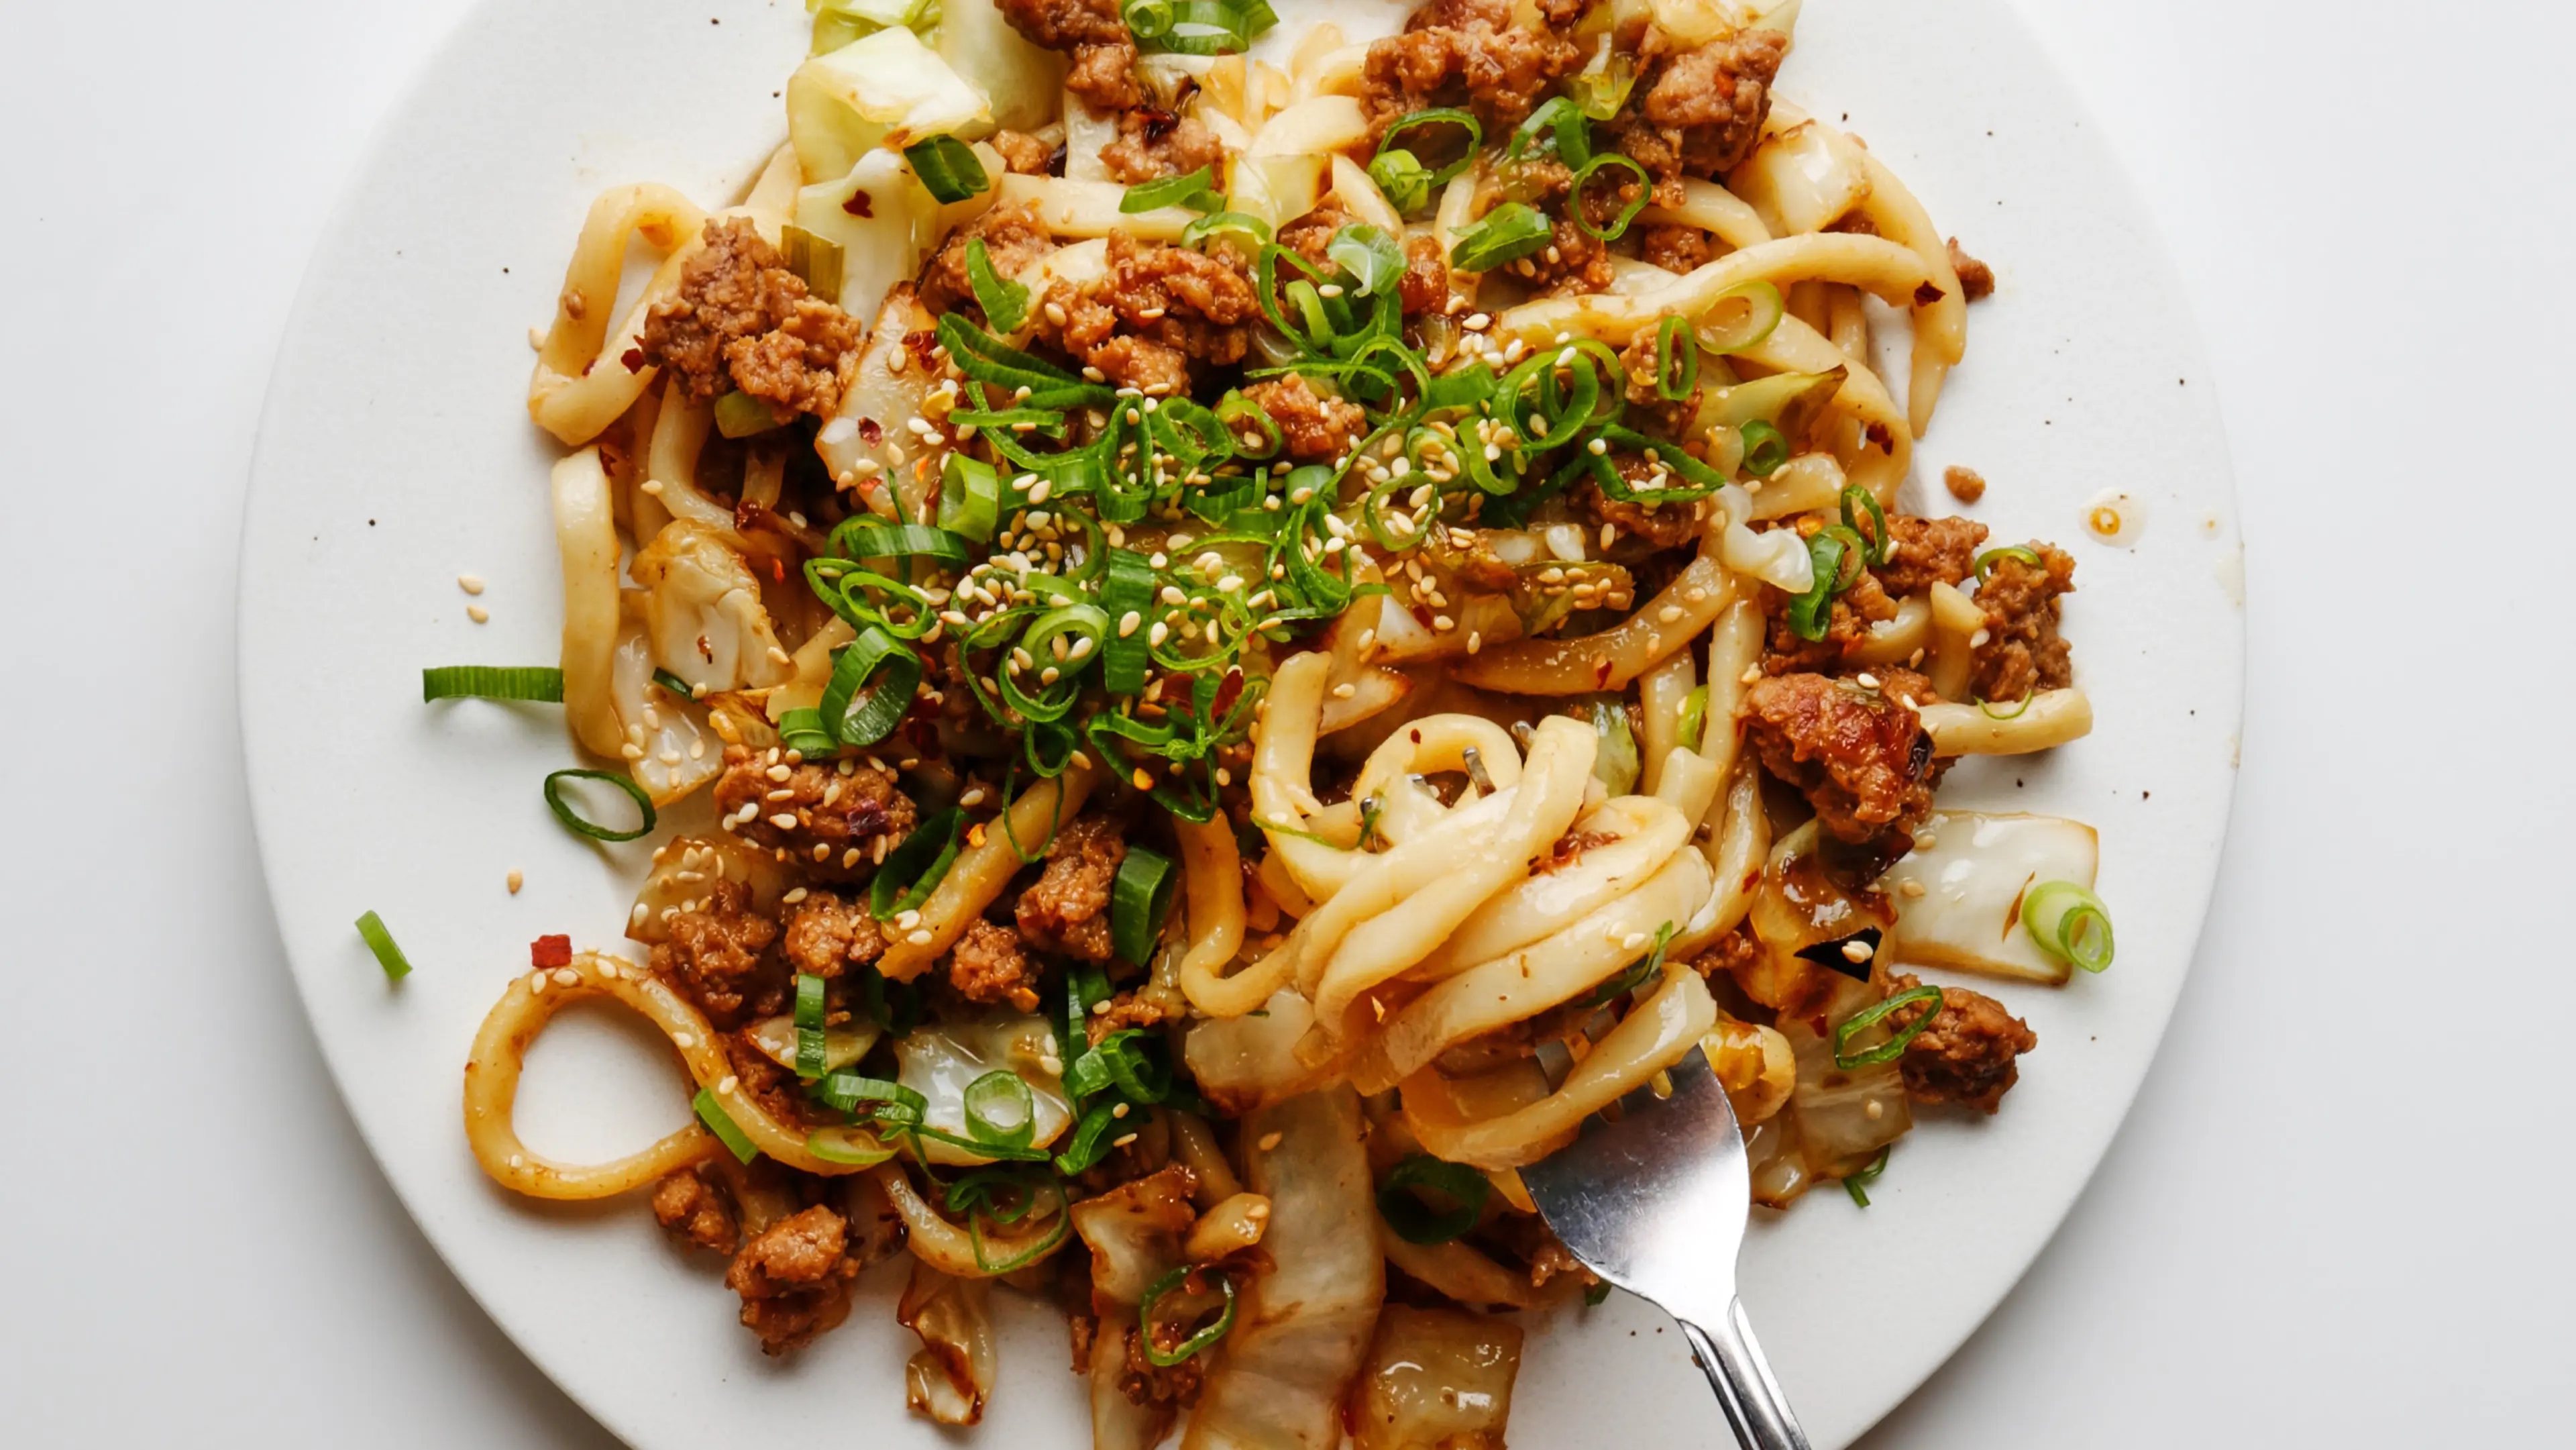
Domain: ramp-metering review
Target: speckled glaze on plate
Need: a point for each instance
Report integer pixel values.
(396, 454)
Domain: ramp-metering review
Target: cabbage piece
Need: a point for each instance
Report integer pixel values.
(1277, 189)
(941, 1062)
(702, 612)
(1021, 81)
(952, 1376)
(877, 212)
(882, 89)
(672, 752)
(1246, 1062)
(776, 1039)
(1802, 179)
(1134, 1234)
(1302, 1327)
(876, 403)
(685, 870)
(1436, 1379)
(1974, 870)
(1117, 1422)
(1844, 1115)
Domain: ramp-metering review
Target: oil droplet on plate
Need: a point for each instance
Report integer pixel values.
(2115, 518)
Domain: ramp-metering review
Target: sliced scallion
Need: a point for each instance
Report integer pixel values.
(1764, 449)
(803, 732)
(809, 1026)
(915, 868)
(1676, 360)
(1151, 1317)
(1507, 233)
(1172, 191)
(1375, 262)
(740, 415)
(572, 820)
(1857, 1183)
(1417, 1222)
(1694, 721)
(1405, 180)
(1443, 116)
(994, 1097)
(1627, 212)
(1858, 501)
(818, 261)
(2018, 553)
(721, 1123)
(1138, 901)
(1005, 302)
(970, 498)
(873, 681)
(371, 927)
(1928, 998)
(1811, 613)
(948, 169)
(2069, 921)
(538, 683)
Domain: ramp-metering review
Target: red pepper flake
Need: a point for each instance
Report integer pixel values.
(859, 205)
(550, 951)
(1226, 694)
(870, 433)
(777, 570)
(634, 359)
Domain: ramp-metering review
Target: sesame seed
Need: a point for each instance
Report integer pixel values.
(1270, 1141)
(1857, 951)
(919, 938)
(470, 583)
(1910, 889)
(783, 821)
(1868, 681)
(1670, 614)
(478, 614)
(684, 1040)
(729, 1084)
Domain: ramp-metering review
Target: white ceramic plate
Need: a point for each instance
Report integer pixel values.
(396, 455)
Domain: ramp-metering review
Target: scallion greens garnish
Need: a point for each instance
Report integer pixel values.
(1157, 1322)
(1857, 1183)
(948, 169)
(541, 684)
(371, 928)
(1928, 998)
(2068, 921)
(1506, 234)
(573, 820)
(1417, 1222)
(721, 1123)
(1140, 898)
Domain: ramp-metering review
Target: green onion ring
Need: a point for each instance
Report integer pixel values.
(564, 812)
(1894, 1047)
(1169, 191)
(1857, 1183)
(1764, 449)
(1197, 1342)
(848, 1147)
(1506, 234)
(2020, 552)
(371, 929)
(914, 869)
(1811, 613)
(712, 1113)
(1000, 1088)
(1446, 115)
(1139, 900)
(2070, 922)
(1857, 501)
(1762, 309)
(1676, 360)
(1694, 721)
(873, 681)
(970, 494)
(1416, 1222)
(809, 1026)
(1619, 224)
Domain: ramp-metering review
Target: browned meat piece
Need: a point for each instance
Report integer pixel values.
(697, 1210)
(1965, 484)
(717, 956)
(1929, 551)
(1568, 849)
(1013, 237)
(1966, 1055)
(1643, 361)
(827, 934)
(1673, 248)
(1159, 309)
(1465, 53)
(1310, 236)
(1664, 525)
(1854, 611)
(1860, 756)
(1975, 277)
(988, 965)
(1094, 33)
(827, 818)
(1701, 110)
(1426, 276)
(1736, 952)
(2022, 651)
(1147, 1383)
(1316, 428)
(1127, 1009)
(779, 1091)
(1025, 154)
(741, 320)
(1068, 909)
(1153, 144)
(793, 1279)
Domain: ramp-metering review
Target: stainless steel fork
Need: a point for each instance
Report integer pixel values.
(1656, 1203)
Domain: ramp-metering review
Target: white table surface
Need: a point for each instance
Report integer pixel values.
(2338, 1216)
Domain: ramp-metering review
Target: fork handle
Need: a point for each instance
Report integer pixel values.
(1744, 1384)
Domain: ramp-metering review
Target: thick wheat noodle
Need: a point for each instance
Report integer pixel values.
(1662, 694)
(1955, 621)
(1647, 832)
(1940, 324)
(935, 1240)
(976, 879)
(1712, 208)
(1739, 838)
(1422, 889)
(1316, 126)
(1655, 1035)
(501, 1052)
(1875, 264)
(1546, 973)
(586, 541)
(1794, 347)
(1457, 1270)
(1661, 627)
(582, 383)
(1212, 872)
(2048, 718)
